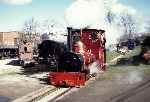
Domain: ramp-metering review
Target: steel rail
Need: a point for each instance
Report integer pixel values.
(54, 95)
(38, 95)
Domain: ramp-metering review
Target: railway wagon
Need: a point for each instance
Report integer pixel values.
(85, 46)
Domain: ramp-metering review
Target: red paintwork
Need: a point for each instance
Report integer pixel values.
(67, 78)
(147, 56)
(91, 50)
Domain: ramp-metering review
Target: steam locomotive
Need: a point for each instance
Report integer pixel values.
(71, 61)
(145, 50)
(84, 46)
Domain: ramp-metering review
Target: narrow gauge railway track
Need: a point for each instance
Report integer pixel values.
(48, 93)
(131, 92)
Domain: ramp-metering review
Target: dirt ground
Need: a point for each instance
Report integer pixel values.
(124, 81)
(118, 89)
(16, 81)
(121, 82)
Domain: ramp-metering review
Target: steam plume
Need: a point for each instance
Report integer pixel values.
(93, 14)
(85, 13)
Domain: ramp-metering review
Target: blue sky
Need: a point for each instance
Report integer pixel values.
(142, 6)
(13, 16)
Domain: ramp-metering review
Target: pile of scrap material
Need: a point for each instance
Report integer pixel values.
(26, 54)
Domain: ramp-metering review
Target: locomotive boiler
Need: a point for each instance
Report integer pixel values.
(84, 46)
(49, 52)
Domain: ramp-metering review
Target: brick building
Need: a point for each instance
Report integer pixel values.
(9, 39)
(9, 44)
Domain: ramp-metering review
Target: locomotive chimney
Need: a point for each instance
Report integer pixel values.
(69, 40)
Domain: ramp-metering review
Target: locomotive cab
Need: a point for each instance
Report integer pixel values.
(89, 43)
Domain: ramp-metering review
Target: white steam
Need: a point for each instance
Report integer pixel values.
(135, 77)
(94, 68)
(132, 77)
(113, 28)
(116, 7)
(85, 13)
(116, 28)
(94, 13)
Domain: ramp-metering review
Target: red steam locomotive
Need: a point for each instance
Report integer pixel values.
(85, 46)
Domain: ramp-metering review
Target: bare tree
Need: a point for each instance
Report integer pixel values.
(110, 17)
(129, 25)
(30, 29)
(31, 33)
(48, 25)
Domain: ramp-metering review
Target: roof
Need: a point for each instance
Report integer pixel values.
(85, 29)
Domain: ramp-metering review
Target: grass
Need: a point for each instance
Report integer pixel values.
(111, 55)
(111, 73)
(134, 52)
(114, 70)
(146, 69)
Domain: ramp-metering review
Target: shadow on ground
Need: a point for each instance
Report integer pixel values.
(38, 68)
(4, 99)
(14, 63)
(32, 69)
(38, 71)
